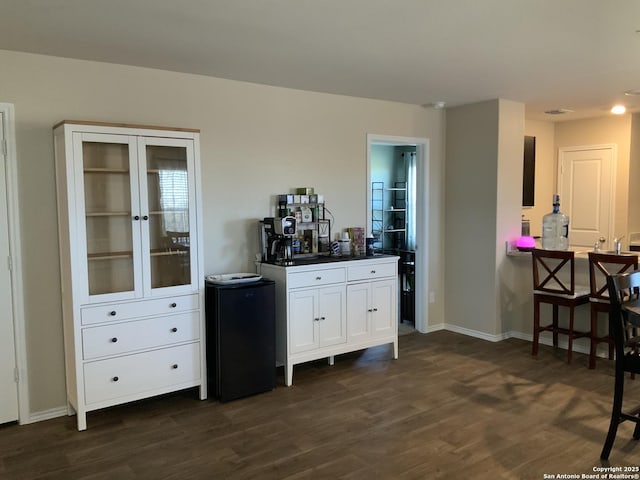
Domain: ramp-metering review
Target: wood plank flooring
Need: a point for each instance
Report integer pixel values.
(451, 407)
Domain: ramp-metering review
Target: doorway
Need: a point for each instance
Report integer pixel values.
(13, 393)
(397, 174)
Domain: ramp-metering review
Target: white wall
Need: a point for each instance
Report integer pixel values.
(610, 129)
(484, 157)
(470, 223)
(256, 141)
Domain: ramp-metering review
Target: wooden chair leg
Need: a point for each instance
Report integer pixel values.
(616, 411)
(570, 339)
(536, 327)
(555, 326)
(593, 334)
(636, 431)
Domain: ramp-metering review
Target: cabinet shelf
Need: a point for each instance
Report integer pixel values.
(399, 210)
(107, 214)
(166, 253)
(105, 170)
(109, 255)
(393, 230)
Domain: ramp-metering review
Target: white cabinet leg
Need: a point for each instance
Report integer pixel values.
(288, 374)
(331, 360)
(82, 420)
(203, 391)
(395, 349)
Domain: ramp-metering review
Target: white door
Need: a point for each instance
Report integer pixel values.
(332, 317)
(384, 306)
(8, 385)
(303, 326)
(357, 311)
(585, 185)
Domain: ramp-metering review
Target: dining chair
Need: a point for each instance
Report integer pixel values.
(624, 321)
(602, 265)
(554, 284)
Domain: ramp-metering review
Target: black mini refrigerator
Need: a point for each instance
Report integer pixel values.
(241, 358)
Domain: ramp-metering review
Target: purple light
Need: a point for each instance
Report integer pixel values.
(525, 244)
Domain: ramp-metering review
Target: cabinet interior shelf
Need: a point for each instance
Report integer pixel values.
(107, 214)
(105, 170)
(109, 255)
(391, 230)
(396, 210)
(118, 255)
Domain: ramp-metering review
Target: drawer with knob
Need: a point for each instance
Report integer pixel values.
(131, 375)
(142, 308)
(119, 338)
(372, 271)
(316, 277)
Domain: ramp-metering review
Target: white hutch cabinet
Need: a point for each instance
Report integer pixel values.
(129, 223)
(327, 309)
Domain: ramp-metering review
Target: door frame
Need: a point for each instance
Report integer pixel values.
(612, 186)
(422, 215)
(13, 213)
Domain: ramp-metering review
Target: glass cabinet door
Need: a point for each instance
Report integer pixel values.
(166, 165)
(108, 174)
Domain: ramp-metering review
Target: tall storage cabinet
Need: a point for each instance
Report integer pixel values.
(131, 263)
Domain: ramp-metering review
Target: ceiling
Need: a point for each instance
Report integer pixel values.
(580, 55)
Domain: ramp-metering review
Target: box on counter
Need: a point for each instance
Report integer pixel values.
(296, 199)
(304, 190)
(304, 198)
(358, 240)
(285, 198)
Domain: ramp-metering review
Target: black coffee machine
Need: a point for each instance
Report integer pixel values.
(276, 238)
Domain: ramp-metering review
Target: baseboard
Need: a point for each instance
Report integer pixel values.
(46, 415)
(580, 345)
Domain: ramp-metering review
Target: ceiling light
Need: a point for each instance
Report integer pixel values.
(618, 109)
(633, 93)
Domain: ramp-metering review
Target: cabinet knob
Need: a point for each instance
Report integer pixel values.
(174, 366)
(174, 329)
(318, 278)
(136, 217)
(373, 271)
(112, 313)
(375, 309)
(323, 318)
(145, 217)
(370, 310)
(316, 319)
(114, 339)
(115, 379)
(173, 305)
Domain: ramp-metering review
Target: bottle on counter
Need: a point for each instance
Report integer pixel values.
(555, 228)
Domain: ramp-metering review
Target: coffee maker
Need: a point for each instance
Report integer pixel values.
(276, 238)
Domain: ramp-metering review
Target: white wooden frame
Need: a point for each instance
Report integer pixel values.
(422, 215)
(15, 246)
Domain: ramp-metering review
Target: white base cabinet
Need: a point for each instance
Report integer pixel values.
(323, 310)
(129, 222)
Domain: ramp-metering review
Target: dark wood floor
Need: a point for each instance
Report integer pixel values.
(450, 407)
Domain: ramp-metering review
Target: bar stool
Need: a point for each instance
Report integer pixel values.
(554, 284)
(602, 265)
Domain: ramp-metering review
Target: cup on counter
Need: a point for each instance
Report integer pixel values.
(369, 246)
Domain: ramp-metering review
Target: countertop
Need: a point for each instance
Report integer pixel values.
(323, 259)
